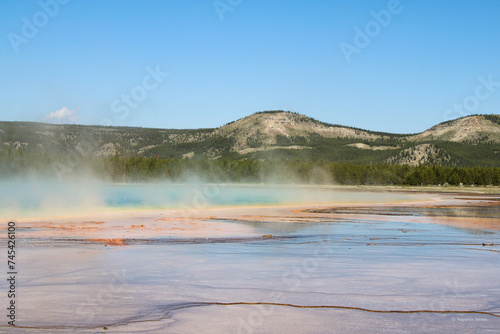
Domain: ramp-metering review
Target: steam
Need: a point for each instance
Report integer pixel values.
(47, 197)
(76, 187)
(35, 196)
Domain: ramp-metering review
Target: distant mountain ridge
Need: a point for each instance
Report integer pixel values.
(470, 140)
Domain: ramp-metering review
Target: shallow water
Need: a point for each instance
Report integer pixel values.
(454, 211)
(347, 275)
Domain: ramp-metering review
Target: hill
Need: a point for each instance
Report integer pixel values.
(471, 129)
(271, 127)
(270, 135)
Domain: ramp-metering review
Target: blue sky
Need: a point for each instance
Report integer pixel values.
(91, 62)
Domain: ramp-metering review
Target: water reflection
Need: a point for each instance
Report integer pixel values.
(486, 211)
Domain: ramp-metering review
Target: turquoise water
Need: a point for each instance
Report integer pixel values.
(229, 195)
(27, 198)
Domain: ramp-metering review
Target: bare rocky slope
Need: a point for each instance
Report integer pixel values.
(474, 129)
(267, 127)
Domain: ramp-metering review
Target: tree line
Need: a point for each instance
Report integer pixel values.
(140, 169)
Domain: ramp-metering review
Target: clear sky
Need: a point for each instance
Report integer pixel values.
(396, 66)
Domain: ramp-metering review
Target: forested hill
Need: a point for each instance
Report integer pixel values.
(270, 135)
